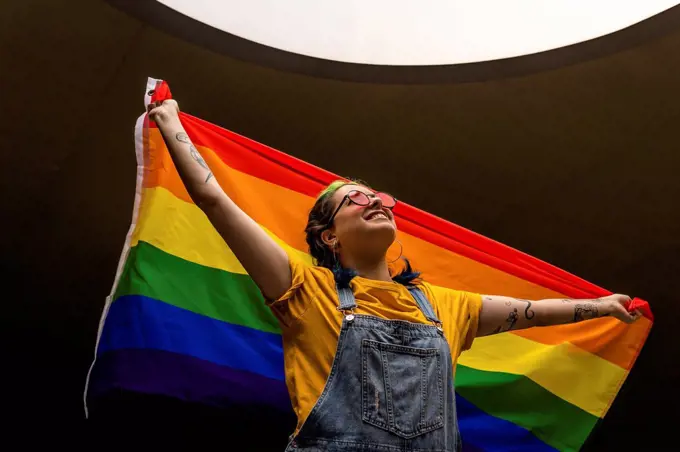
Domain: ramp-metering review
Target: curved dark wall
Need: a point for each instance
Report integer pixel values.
(576, 165)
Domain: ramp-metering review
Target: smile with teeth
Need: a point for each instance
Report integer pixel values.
(376, 216)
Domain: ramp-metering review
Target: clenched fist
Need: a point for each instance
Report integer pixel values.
(163, 112)
(616, 306)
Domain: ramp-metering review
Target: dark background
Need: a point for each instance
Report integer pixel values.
(570, 155)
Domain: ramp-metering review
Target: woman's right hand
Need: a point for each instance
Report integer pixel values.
(163, 112)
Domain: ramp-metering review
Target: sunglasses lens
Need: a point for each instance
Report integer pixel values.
(387, 200)
(359, 198)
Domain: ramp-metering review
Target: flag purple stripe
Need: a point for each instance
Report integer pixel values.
(184, 377)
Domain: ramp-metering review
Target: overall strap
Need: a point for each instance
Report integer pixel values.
(347, 301)
(424, 305)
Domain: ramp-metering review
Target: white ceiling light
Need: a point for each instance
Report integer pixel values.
(418, 32)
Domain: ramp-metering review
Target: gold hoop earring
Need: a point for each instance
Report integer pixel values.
(401, 251)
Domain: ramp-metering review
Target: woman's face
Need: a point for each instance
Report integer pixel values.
(368, 230)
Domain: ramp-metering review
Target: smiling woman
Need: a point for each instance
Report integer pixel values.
(404, 32)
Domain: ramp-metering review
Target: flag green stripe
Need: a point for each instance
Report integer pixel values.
(235, 298)
(518, 399)
(211, 292)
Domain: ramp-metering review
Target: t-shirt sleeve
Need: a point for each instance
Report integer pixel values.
(459, 312)
(472, 302)
(290, 306)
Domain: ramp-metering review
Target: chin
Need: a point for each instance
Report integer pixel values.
(384, 233)
(382, 227)
(375, 235)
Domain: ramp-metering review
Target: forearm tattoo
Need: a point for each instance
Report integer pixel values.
(196, 156)
(184, 138)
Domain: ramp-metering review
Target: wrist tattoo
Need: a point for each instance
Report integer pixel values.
(585, 311)
(182, 137)
(210, 174)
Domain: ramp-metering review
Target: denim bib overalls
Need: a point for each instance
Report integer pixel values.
(390, 387)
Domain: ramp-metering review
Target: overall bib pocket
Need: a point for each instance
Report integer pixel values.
(402, 388)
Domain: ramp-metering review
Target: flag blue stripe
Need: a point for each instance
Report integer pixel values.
(135, 322)
(490, 433)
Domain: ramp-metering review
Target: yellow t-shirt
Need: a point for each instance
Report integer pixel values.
(310, 323)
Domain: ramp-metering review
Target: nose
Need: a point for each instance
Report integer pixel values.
(375, 201)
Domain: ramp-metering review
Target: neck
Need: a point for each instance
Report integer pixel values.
(369, 268)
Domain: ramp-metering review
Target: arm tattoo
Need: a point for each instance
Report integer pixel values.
(511, 320)
(528, 314)
(196, 156)
(585, 311)
(183, 137)
(513, 315)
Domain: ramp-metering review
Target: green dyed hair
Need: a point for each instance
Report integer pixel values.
(333, 187)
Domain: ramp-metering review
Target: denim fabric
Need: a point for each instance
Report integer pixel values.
(390, 388)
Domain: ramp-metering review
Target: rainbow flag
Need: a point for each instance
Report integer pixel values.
(185, 320)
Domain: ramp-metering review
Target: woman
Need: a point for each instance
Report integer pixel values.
(369, 356)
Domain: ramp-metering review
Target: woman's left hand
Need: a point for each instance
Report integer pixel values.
(616, 306)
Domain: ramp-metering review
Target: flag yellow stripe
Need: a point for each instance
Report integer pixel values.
(182, 229)
(575, 375)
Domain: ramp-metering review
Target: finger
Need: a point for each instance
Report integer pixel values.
(633, 316)
(622, 299)
(154, 112)
(624, 316)
(172, 102)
